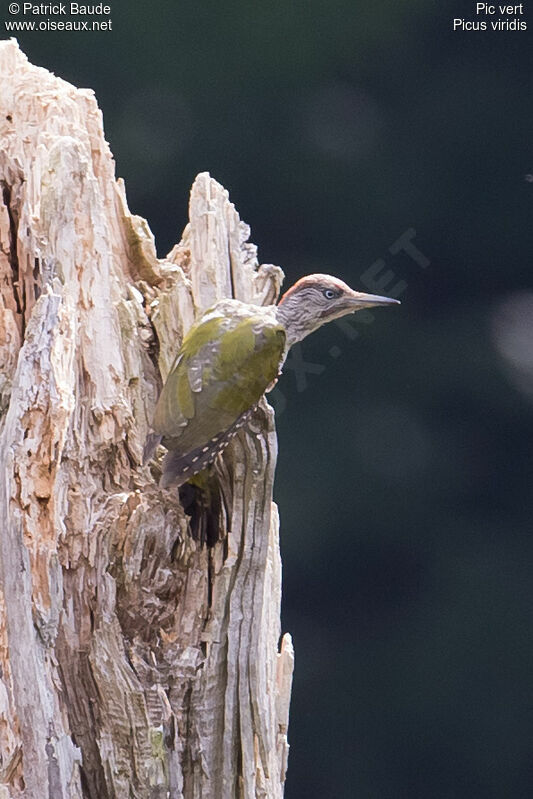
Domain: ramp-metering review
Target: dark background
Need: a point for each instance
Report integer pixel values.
(405, 468)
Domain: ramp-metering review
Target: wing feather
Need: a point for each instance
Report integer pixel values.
(224, 366)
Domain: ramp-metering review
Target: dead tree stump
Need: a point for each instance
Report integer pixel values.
(134, 662)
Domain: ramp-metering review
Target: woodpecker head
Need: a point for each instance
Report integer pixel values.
(317, 299)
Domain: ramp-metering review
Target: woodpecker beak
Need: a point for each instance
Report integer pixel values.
(360, 300)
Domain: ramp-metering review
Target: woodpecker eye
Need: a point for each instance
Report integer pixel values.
(329, 294)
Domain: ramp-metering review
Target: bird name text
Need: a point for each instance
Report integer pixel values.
(508, 18)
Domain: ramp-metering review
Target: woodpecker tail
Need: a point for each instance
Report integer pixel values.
(179, 467)
(202, 501)
(151, 444)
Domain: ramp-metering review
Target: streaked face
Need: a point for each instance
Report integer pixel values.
(326, 297)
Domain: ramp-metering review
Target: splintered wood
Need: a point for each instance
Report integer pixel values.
(134, 662)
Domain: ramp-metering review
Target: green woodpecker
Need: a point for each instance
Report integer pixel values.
(229, 358)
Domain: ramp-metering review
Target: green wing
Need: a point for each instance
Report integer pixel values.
(222, 369)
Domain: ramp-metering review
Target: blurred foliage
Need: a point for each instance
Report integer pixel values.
(404, 477)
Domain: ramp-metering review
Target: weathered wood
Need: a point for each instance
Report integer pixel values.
(134, 662)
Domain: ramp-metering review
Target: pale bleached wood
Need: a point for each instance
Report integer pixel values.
(133, 661)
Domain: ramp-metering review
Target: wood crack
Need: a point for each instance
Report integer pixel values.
(18, 294)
